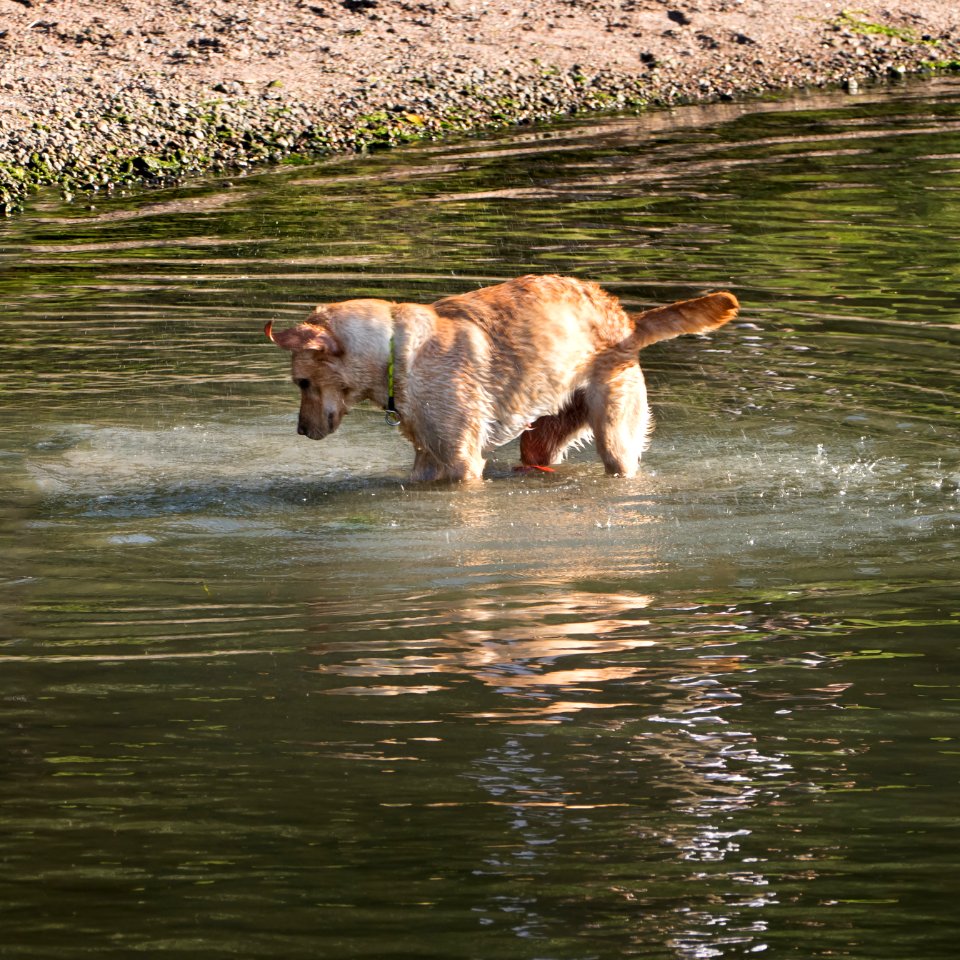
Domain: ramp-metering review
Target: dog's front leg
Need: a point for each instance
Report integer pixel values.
(464, 469)
(425, 467)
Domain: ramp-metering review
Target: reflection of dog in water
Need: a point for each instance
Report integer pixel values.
(549, 359)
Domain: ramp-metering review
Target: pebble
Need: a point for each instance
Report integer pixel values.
(127, 126)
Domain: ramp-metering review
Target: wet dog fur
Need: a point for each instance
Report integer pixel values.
(550, 359)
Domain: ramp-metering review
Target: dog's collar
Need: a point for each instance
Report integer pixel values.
(393, 415)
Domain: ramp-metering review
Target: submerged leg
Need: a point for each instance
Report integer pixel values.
(427, 467)
(464, 470)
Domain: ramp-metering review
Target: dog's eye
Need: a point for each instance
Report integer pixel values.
(303, 384)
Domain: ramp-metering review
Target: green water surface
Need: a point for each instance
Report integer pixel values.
(264, 698)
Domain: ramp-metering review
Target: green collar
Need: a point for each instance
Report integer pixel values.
(393, 416)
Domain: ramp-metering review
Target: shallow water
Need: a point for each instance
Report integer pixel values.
(264, 698)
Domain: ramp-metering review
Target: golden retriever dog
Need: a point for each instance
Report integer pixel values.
(548, 359)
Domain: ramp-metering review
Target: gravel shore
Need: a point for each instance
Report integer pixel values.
(95, 95)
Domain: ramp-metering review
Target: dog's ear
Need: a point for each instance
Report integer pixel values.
(306, 336)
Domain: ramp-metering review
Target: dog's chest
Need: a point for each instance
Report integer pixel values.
(499, 432)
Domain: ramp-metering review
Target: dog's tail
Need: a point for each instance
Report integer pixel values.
(684, 316)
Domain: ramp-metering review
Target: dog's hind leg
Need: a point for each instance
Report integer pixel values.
(545, 441)
(620, 419)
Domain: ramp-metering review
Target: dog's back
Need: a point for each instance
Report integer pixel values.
(532, 309)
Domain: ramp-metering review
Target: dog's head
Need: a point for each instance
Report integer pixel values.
(336, 359)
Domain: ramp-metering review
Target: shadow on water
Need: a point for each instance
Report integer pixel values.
(266, 698)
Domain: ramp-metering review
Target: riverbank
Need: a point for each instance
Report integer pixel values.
(93, 96)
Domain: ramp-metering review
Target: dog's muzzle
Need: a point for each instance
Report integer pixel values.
(315, 431)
